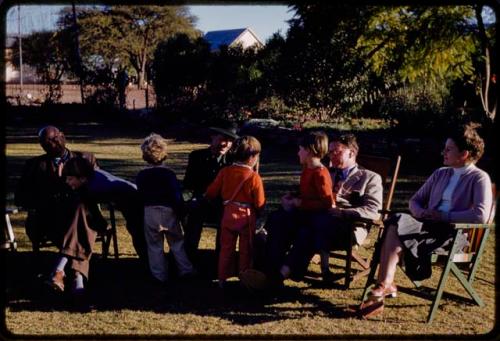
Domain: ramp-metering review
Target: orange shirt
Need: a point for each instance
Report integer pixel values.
(316, 189)
(227, 181)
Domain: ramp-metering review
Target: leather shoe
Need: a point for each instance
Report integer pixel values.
(371, 308)
(380, 290)
(57, 281)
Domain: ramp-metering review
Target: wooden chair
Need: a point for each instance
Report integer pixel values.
(104, 237)
(387, 169)
(461, 261)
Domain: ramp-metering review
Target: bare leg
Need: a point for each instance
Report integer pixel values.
(391, 252)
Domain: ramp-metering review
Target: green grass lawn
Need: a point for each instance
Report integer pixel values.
(126, 303)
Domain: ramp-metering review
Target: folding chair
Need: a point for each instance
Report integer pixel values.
(105, 237)
(459, 260)
(383, 167)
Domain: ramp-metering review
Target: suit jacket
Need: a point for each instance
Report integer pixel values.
(40, 185)
(471, 201)
(360, 195)
(201, 170)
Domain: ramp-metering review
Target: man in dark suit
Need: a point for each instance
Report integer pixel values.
(203, 166)
(42, 190)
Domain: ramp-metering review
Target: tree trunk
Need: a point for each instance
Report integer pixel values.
(488, 96)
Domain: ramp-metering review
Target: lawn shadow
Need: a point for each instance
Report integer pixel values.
(123, 284)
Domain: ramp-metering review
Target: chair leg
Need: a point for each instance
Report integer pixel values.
(442, 280)
(373, 268)
(467, 285)
(115, 243)
(113, 230)
(105, 244)
(348, 261)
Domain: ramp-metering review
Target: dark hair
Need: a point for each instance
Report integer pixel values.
(348, 140)
(79, 167)
(466, 138)
(316, 142)
(245, 147)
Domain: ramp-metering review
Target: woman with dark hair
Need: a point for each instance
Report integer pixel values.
(457, 193)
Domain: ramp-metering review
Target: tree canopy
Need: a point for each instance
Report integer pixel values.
(125, 37)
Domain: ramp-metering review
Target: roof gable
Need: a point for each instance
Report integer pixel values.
(227, 37)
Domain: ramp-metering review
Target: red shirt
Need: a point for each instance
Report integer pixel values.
(227, 181)
(316, 189)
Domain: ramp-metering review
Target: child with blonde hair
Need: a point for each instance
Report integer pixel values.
(242, 192)
(163, 208)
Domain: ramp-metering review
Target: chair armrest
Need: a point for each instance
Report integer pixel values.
(11, 210)
(463, 226)
(363, 220)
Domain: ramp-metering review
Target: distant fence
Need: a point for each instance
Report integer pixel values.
(34, 94)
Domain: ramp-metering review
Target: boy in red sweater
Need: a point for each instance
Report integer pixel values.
(315, 193)
(290, 230)
(242, 192)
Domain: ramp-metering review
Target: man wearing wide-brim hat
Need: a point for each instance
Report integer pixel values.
(203, 166)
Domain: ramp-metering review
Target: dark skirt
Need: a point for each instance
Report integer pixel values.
(420, 240)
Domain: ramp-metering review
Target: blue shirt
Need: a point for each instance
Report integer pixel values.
(104, 186)
(158, 186)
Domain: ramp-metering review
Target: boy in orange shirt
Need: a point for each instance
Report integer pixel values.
(242, 192)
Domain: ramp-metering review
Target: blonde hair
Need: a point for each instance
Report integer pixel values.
(244, 147)
(316, 142)
(154, 149)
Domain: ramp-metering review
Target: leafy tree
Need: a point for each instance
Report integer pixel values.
(232, 85)
(320, 68)
(180, 71)
(47, 52)
(127, 36)
(427, 48)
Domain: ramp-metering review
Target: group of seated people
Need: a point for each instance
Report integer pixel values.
(61, 190)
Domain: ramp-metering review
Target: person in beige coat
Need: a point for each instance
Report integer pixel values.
(358, 193)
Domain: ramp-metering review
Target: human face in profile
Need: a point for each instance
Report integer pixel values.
(220, 144)
(452, 156)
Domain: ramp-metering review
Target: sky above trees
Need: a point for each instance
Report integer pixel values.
(264, 20)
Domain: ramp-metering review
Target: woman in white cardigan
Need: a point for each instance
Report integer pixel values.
(458, 192)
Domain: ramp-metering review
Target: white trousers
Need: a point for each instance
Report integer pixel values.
(160, 223)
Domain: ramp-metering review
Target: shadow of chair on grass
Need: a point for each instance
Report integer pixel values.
(122, 284)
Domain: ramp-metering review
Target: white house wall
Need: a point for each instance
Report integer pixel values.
(246, 40)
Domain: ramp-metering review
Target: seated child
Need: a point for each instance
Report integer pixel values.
(315, 198)
(242, 192)
(163, 208)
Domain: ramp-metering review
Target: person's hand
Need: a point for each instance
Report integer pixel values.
(432, 215)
